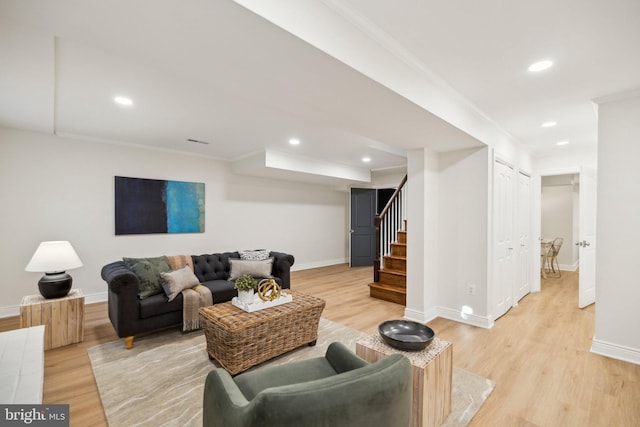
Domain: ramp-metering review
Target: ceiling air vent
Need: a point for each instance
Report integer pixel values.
(198, 141)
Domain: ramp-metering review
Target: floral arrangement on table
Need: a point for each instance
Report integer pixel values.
(246, 283)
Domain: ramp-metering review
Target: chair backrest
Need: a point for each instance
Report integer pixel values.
(546, 249)
(557, 244)
(378, 394)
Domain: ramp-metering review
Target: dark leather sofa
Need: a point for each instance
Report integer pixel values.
(133, 316)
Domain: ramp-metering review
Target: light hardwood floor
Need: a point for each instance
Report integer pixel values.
(538, 355)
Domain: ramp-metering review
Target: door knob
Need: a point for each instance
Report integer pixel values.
(353, 231)
(584, 244)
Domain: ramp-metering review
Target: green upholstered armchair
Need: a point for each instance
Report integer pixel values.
(339, 389)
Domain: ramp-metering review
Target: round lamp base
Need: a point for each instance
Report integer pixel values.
(55, 285)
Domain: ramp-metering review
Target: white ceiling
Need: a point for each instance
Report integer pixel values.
(483, 50)
(215, 71)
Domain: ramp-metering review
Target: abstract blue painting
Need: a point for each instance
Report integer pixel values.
(149, 206)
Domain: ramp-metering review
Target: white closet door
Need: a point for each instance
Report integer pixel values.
(587, 243)
(504, 254)
(523, 220)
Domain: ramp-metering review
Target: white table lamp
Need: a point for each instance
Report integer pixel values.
(53, 258)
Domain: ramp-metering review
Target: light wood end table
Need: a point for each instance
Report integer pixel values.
(63, 318)
(431, 372)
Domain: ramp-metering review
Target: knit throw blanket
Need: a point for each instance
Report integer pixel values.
(192, 300)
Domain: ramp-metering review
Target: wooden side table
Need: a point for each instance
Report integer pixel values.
(63, 318)
(431, 372)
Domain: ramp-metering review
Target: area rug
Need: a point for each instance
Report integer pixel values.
(160, 382)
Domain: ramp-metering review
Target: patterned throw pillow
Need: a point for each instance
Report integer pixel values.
(174, 282)
(148, 271)
(256, 255)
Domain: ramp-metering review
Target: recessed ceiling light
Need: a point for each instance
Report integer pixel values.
(548, 124)
(540, 66)
(366, 159)
(562, 142)
(294, 141)
(123, 100)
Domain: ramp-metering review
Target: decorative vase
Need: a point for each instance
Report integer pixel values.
(245, 297)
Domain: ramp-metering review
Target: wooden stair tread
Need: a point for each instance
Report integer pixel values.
(391, 287)
(392, 271)
(395, 262)
(388, 288)
(388, 293)
(392, 279)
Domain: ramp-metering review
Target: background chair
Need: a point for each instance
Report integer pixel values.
(337, 389)
(555, 249)
(545, 256)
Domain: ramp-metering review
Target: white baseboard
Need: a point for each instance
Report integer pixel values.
(14, 310)
(570, 267)
(420, 316)
(615, 351)
(10, 311)
(450, 314)
(317, 264)
(485, 322)
(97, 297)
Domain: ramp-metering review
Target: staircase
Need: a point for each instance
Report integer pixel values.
(391, 284)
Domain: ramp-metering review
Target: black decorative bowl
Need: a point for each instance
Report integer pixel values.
(406, 335)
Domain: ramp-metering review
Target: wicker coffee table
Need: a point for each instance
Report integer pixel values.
(239, 340)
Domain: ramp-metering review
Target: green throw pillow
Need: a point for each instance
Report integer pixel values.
(148, 271)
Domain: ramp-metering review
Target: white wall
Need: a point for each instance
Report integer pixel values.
(63, 189)
(447, 244)
(422, 236)
(565, 161)
(463, 236)
(387, 178)
(558, 213)
(618, 230)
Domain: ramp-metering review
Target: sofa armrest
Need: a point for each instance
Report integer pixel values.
(282, 267)
(120, 278)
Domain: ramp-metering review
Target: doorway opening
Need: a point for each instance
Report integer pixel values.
(366, 203)
(560, 221)
(581, 234)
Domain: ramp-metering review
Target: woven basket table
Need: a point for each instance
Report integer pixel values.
(239, 340)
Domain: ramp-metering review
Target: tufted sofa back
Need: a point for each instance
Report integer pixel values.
(213, 266)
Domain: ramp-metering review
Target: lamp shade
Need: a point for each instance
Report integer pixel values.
(54, 257)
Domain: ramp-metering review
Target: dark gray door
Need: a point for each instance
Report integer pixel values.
(363, 230)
